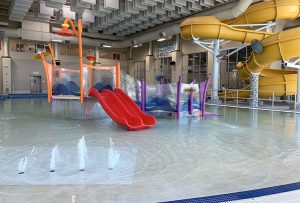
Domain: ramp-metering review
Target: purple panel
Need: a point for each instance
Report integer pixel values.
(143, 95)
(178, 96)
(190, 102)
(203, 90)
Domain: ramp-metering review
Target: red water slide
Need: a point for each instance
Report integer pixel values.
(131, 106)
(122, 109)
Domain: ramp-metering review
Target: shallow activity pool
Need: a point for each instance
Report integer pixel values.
(238, 150)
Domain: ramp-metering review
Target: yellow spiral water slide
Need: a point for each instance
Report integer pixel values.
(277, 46)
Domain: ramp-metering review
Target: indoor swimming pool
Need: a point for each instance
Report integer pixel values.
(238, 150)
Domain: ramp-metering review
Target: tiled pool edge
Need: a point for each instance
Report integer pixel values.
(241, 195)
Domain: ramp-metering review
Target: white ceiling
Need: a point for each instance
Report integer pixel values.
(111, 17)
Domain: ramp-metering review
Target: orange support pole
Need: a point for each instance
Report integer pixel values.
(48, 79)
(80, 60)
(52, 54)
(53, 68)
(118, 76)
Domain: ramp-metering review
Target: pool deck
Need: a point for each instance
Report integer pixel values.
(203, 158)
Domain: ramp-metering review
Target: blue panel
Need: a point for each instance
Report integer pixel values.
(242, 195)
(29, 96)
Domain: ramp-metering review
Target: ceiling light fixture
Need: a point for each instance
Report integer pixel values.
(135, 44)
(57, 40)
(106, 46)
(163, 36)
(161, 39)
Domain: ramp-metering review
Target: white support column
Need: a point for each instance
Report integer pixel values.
(298, 92)
(150, 64)
(177, 68)
(56, 51)
(177, 48)
(254, 79)
(150, 52)
(185, 63)
(6, 69)
(5, 47)
(130, 53)
(280, 24)
(130, 67)
(177, 57)
(97, 55)
(216, 72)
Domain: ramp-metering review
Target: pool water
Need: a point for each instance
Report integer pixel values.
(238, 150)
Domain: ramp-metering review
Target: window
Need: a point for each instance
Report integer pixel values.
(20, 47)
(70, 50)
(116, 56)
(27, 46)
(76, 51)
(197, 67)
(39, 48)
(86, 51)
(112, 54)
(62, 50)
(231, 78)
(139, 70)
(163, 71)
(13, 44)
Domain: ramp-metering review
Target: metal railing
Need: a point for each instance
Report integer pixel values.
(268, 100)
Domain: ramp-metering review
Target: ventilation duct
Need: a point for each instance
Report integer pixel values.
(18, 9)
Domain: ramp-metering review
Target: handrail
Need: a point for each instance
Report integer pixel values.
(273, 102)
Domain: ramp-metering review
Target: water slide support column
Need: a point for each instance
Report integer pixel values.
(297, 108)
(216, 70)
(254, 78)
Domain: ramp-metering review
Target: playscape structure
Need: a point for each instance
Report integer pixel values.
(67, 86)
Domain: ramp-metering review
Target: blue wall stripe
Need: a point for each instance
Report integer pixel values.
(242, 195)
(15, 96)
(22, 96)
